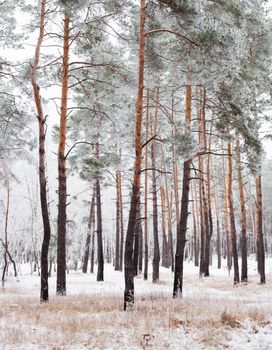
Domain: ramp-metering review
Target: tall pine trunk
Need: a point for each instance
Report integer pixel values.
(100, 254)
(182, 226)
(93, 243)
(259, 226)
(121, 222)
(62, 189)
(243, 215)
(129, 271)
(146, 191)
(44, 293)
(232, 220)
(226, 220)
(117, 236)
(156, 247)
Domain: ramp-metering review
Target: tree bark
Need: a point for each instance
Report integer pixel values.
(243, 215)
(129, 273)
(156, 247)
(259, 226)
(62, 190)
(218, 234)
(100, 255)
(146, 190)
(226, 221)
(44, 292)
(117, 236)
(121, 223)
(232, 220)
(88, 240)
(182, 226)
(165, 250)
(93, 243)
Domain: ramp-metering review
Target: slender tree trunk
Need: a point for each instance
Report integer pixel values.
(5, 245)
(182, 226)
(44, 293)
(259, 225)
(218, 235)
(93, 243)
(146, 191)
(88, 240)
(226, 220)
(243, 215)
(156, 248)
(117, 237)
(121, 223)
(100, 255)
(232, 220)
(195, 250)
(169, 243)
(136, 243)
(129, 273)
(140, 260)
(164, 239)
(62, 190)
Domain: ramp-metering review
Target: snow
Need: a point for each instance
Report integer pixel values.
(213, 314)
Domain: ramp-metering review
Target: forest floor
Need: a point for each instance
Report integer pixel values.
(213, 314)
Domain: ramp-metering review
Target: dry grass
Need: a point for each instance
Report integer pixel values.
(98, 322)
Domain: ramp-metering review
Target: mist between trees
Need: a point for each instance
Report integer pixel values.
(166, 103)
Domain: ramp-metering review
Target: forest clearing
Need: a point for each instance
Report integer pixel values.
(213, 314)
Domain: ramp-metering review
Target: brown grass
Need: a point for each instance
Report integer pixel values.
(97, 322)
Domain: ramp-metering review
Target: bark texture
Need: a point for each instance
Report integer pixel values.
(44, 292)
(129, 271)
(62, 189)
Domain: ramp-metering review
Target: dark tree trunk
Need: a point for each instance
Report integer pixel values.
(182, 226)
(136, 245)
(44, 293)
(156, 247)
(92, 247)
(62, 189)
(88, 240)
(117, 236)
(218, 244)
(243, 216)
(181, 233)
(146, 191)
(121, 224)
(100, 255)
(259, 226)
(232, 221)
(135, 198)
(140, 263)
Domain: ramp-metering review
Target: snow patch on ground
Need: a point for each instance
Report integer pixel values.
(213, 314)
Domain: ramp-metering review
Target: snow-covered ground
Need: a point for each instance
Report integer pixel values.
(213, 314)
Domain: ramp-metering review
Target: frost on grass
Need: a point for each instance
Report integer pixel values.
(212, 314)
